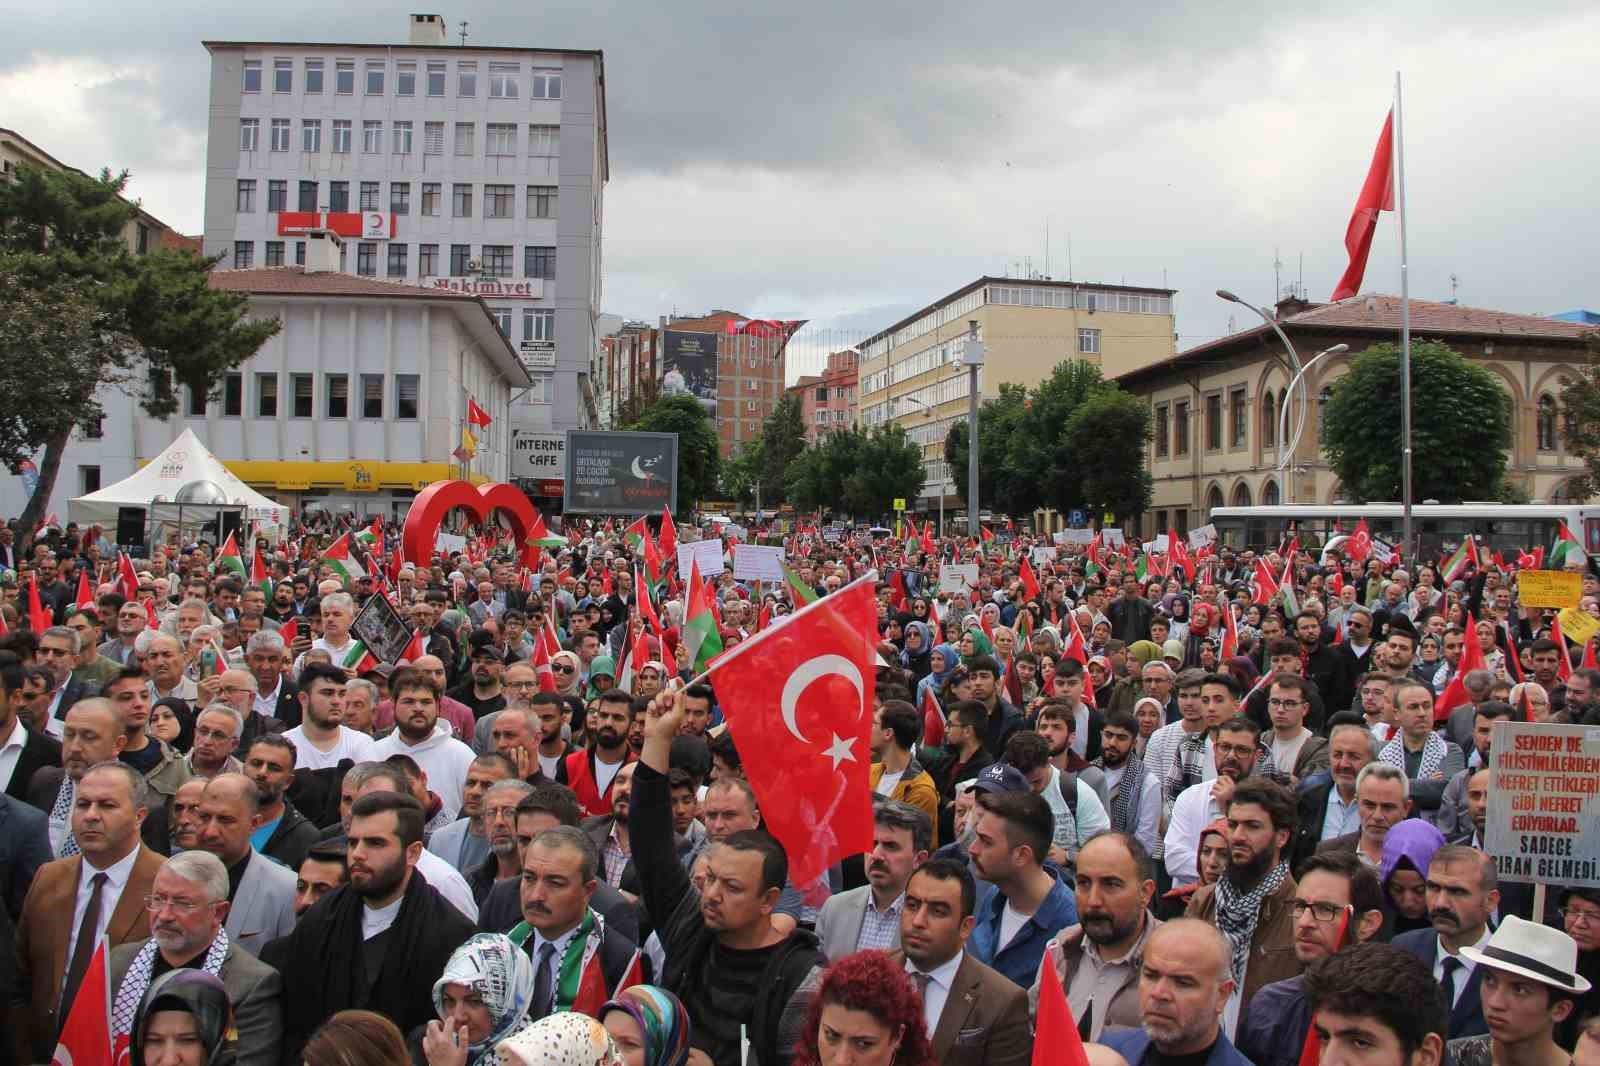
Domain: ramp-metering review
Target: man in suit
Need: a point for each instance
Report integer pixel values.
(1184, 987)
(870, 916)
(1383, 798)
(1462, 892)
(24, 848)
(98, 892)
(92, 734)
(22, 750)
(58, 653)
(261, 892)
(1329, 810)
(189, 900)
(276, 696)
(975, 1016)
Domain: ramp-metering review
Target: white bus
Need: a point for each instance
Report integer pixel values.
(1506, 528)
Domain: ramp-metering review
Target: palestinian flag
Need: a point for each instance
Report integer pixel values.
(229, 559)
(986, 534)
(1463, 558)
(357, 657)
(541, 537)
(799, 591)
(636, 534)
(1291, 603)
(1024, 625)
(647, 609)
(1141, 568)
(580, 978)
(414, 650)
(337, 555)
(259, 578)
(371, 538)
(1567, 548)
(700, 624)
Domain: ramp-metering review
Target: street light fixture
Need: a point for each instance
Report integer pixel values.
(928, 407)
(1287, 458)
(1298, 375)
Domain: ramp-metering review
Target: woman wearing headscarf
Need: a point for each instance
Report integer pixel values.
(183, 1020)
(978, 641)
(568, 673)
(601, 667)
(918, 650)
(1407, 851)
(565, 1039)
(1199, 632)
(482, 997)
(942, 660)
(171, 720)
(649, 1025)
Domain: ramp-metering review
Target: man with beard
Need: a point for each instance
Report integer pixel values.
(1234, 756)
(1429, 760)
(260, 891)
(1098, 960)
(377, 942)
(1463, 891)
(1133, 794)
(504, 861)
(871, 916)
(427, 741)
(1337, 905)
(591, 773)
(1452, 818)
(1252, 902)
(187, 904)
(610, 834)
(186, 815)
(464, 843)
(285, 833)
(1184, 986)
(1328, 810)
(483, 693)
(1055, 722)
(321, 740)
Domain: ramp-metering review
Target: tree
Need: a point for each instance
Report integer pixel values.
(1001, 421)
(646, 392)
(1460, 426)
(741, 473)
(699, 460)
(1106, 437)
(856, 470)
(783, 437)
(62, 248)
(1580, 400)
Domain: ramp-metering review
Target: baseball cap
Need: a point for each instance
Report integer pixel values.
(1001, 777)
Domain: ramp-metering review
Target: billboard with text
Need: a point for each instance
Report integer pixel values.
(689, 367)
(620, 473)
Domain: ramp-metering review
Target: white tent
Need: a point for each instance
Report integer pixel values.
(155, 489)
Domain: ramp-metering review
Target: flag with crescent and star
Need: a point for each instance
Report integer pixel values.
(805, 743)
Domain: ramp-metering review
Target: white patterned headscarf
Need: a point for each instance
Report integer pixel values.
(565, 1039)
(503, 977)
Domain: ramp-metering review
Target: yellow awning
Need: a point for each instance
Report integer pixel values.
(355, 476)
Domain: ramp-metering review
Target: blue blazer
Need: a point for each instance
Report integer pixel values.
(1466, 1017)
(1132, 1044)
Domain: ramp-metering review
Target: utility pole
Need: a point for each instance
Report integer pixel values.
(972, 355)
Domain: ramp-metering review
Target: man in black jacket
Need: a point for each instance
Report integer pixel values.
(270, 764)
(354, 949)
(1130, 615)
(734, 972)
(39, 750)
(1002, 719)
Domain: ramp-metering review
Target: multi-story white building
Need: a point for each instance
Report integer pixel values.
(476, 168)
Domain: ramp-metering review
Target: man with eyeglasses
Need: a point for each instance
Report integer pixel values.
(187, 905)
(1234, 755)
(1462, 891)
(237, 689)
(1295, 752)
(216, 734)
(132, 619)
(1338, 903)
(1355, 651)
(58, 653)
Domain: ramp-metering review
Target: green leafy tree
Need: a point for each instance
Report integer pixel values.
(1460, 426)
(699, 461)
(1580, 401)
(783, 437)
(61, 247)
(743, 471)
(646, 392)
(1106, 437)
(1001, 421)
(889, 466)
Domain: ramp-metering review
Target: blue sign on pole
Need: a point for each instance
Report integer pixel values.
(1077, 519)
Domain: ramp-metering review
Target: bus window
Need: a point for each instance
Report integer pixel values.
(1591, 534)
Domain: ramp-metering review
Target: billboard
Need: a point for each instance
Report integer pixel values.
(538, 454)
(689, 367)
(621, 473)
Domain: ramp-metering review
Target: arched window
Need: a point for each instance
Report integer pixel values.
(1545, 426)
(1322, 414)
(1213, 498)
(1269, 420)
(1269, 494)
(1241, 495)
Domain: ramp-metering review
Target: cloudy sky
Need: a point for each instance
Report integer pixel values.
(848, 162)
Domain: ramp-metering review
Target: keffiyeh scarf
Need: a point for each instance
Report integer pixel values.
(61, 814)
(137, 980)
(503, 976)
(1130, 790)
(1237, 914)
(1433, 753)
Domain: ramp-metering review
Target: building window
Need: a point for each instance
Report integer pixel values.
(822, 394)
(249, 134)
(498, 261)
(372, 136)
(141, 244)
(252, 75)
(466, 79)
(338, 395)
(500, 138)
(430, 198)
(502, 81)
(544, 140)
(274, 254)
(502, 320)
(88, 479)
(464, 138)
(1545, 424)
(402, 138)
(428, 260)
(1322, 414)
(374, 77)
(539, 261)
(460, 256)
(280, 135)
(283, 75)
(266, 396)
(232, 395)
(244, 255)
(344, 77)
(1180, 427)
(405, 79)
(436, 72)
(371, 395)
(311, 135)
(1269, 420)
(1269, 494)
(397, 260)
(277, 195)
(546, 85)
(341, 136)
(1214, 422)
(338, 196)
(1089, 341)
(406, 387)
(400, 197)
(538, 324)
(541, 201)
(1241, 423)
(369, 195)
(300, 253)
(433, 138)
(499, 201)
(461, 201)
(367, 259)
(1162, 440)
(195, 402)
(314, 76)
(245, 196)
(543, 390)
(93, 429)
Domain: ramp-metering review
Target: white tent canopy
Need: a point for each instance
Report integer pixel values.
(154, 487)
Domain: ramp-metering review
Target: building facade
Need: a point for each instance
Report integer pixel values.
(1216, 407)
(356, 403)
(471, 168)
(828, 400)
(630, 358)
(911, 373)
(749, 369)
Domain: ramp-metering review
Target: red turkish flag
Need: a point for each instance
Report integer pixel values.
(1377, 194)
(805, 743)
(86, 1036)
(1455, 693)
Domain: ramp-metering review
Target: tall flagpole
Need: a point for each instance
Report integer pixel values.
(1405, 321)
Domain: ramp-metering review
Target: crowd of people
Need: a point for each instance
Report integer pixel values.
(1224, 821)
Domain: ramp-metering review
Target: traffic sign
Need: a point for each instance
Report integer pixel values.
(899, 503)
(1077, 519)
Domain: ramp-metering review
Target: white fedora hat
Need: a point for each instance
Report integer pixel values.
(1534, 951)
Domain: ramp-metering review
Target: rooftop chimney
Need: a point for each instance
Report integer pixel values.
(428, 30)
(323, 247)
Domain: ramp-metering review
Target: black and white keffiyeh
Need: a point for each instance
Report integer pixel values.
(137, 980)
(61, 813)
(1433, 752)
(1238, 912)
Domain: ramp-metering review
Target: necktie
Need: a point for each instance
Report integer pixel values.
(543, 985)
(1448, 982)
(921, 981)
(62, 812)
(83, 947)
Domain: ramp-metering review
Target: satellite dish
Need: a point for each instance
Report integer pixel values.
(201, 492)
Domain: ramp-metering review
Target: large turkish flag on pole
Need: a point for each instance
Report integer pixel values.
(798, 699)
(1377, 194)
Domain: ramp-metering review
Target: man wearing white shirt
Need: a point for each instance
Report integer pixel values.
(321, 740)
(1201, 804)
(1133, 792)
(974, 1014)
(429, 742)
(338, 614)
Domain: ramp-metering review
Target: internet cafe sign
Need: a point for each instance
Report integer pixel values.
(491, 288)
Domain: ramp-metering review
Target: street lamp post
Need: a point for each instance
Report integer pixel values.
(928, 407)
(972, 356)
(1294, 362)
(1287, 458)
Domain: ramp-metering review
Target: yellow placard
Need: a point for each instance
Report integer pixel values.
(1549, 588)
(1578, 626)
(899, 503)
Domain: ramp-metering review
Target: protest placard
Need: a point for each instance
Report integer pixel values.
(958, 577)
(1073, 536)
(707, 552)
(1203, 536)
(757, 562)
(1044, 556)
(1112, 538)
(1542, 825)
(1579, 626)
(1549, 588)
